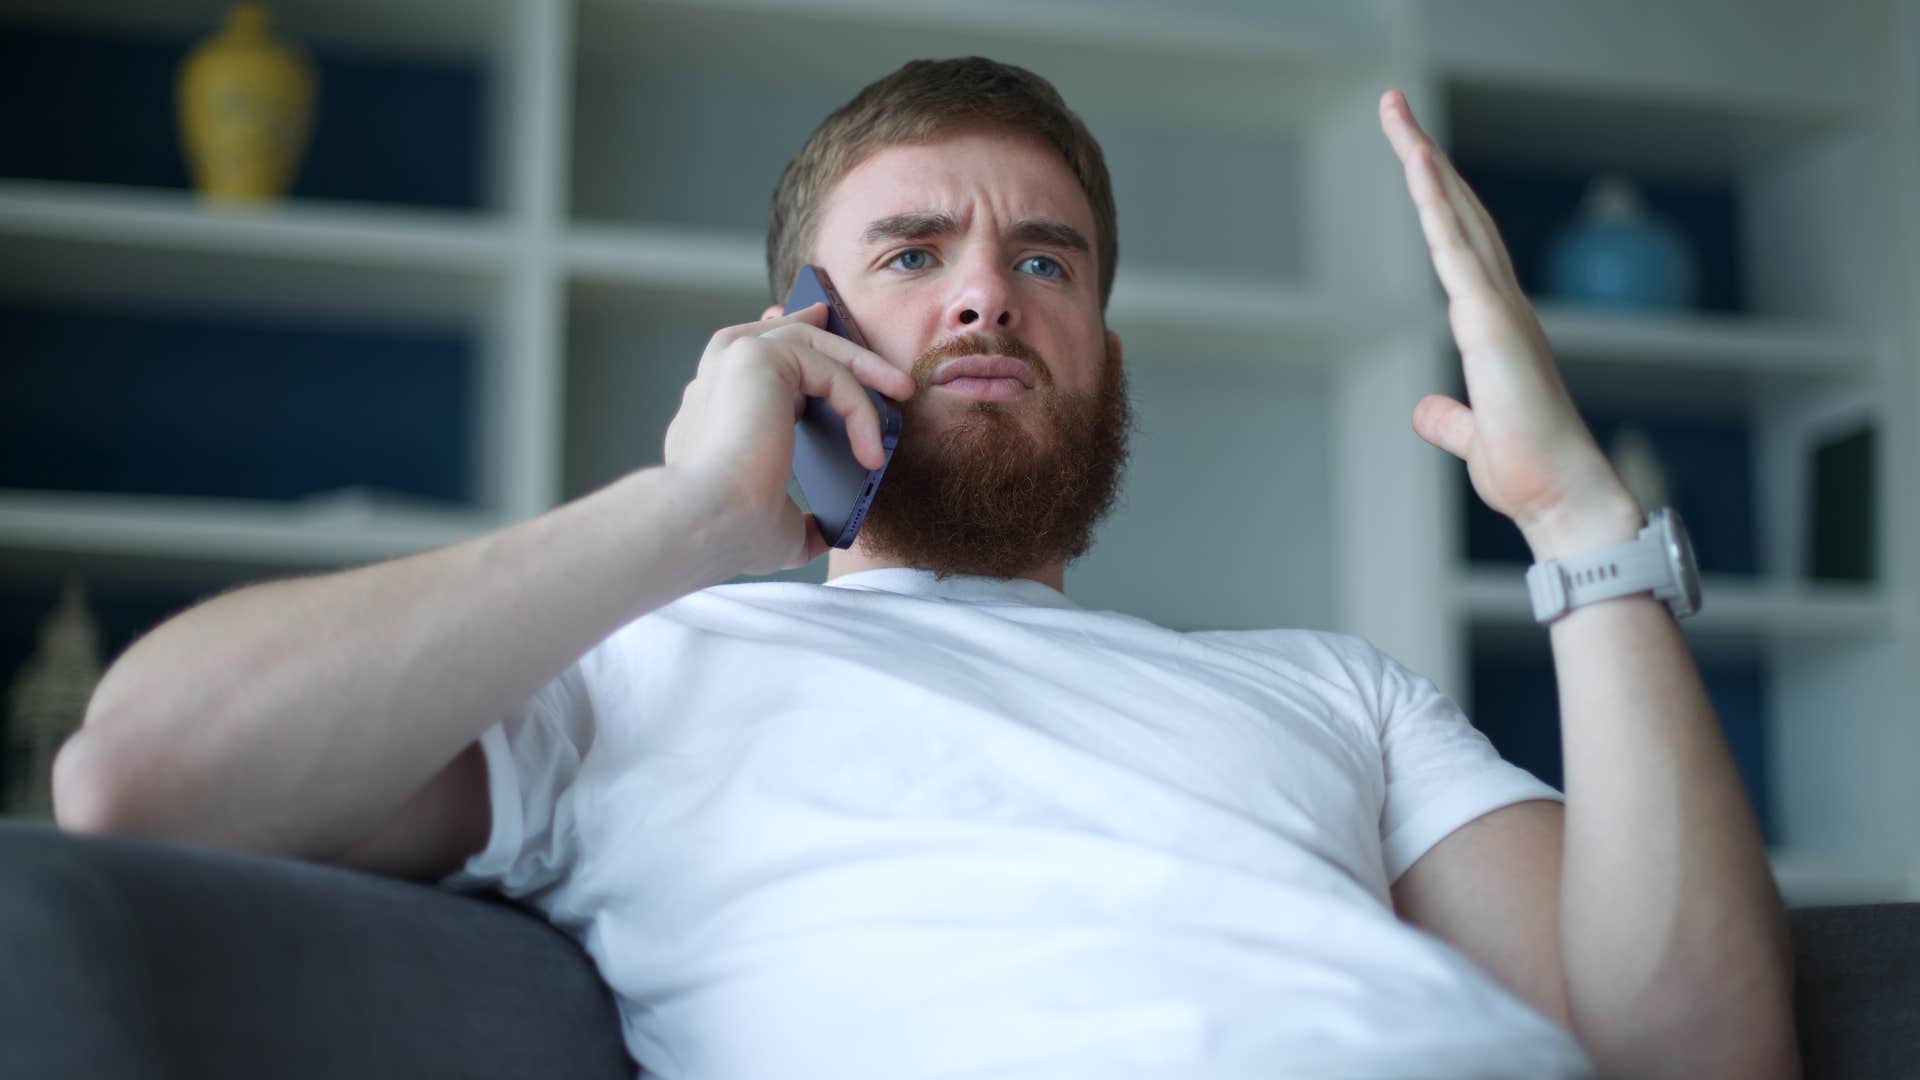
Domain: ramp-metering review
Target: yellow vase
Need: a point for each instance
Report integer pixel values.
(246, 108)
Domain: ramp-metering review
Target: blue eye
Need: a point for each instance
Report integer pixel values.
(1058, 270)
(909, 253)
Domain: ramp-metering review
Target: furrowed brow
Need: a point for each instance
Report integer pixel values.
(927, 224)
(1051, 234)
(912, 225)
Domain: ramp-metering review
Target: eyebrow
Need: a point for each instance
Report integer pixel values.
(927, 224)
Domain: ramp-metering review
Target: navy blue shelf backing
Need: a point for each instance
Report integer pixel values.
(1516, 704)
(1710, 478)
(99, 108)
(101, 402)
(1845, 519)
(1531, 205)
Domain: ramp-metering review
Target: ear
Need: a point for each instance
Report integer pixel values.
(1113, 348)
(773, 311)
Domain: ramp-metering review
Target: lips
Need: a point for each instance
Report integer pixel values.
(984, 367)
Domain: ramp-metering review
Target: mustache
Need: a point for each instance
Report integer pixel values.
(998, 341)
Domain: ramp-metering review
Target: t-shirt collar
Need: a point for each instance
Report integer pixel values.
(964, 588)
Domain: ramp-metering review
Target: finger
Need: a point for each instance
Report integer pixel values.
(1478, 223)
(815, 544)
(821, 376)
(1409, 139)
(866, 364)
(1403, 132)
(808, 546)
(1460, 267)
(1445, 423)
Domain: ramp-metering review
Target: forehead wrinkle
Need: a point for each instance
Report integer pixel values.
(910, 225)
(929, 224)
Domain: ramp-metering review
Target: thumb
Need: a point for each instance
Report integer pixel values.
(1445, 423)
(816, 545)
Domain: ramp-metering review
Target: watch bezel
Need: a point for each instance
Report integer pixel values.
(1684, 596)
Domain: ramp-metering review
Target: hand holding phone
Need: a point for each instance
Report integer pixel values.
(730, 447)
(838, 488)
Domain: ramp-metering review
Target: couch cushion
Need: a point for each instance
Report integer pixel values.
(1857, 990)
(131, 959)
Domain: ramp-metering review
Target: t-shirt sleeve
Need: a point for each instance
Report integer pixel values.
(1441, 771)
(533, 759)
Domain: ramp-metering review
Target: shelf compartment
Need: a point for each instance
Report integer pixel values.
(130, 249)
(1250, 63)
(118, 402)
(1775, 204)
(1546, 120)
(398, 120)
(438, 29)
(1317, 35)
(1180, 144)
(1736, 411)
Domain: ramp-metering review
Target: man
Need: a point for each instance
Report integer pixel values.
(932, 817)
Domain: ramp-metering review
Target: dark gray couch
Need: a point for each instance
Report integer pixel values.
(134, 959)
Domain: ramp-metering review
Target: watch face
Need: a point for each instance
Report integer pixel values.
(1686, 571)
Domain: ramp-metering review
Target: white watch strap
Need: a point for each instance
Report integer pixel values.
(1560, 585)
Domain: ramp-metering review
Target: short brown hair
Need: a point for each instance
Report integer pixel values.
(922, 102)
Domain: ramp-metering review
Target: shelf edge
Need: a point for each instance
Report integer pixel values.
(1497, 596)
(317, 534)
(293, 230)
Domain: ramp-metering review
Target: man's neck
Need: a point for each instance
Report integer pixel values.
(858, 558)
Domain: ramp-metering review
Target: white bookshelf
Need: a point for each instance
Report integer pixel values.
(728, 262)
(1807, 880)
(122, 247)
(1740, 609)
(175, 222)
(1280, 315)
(1709, 342)
(339, 527)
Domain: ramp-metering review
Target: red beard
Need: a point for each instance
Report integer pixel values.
(983, 496)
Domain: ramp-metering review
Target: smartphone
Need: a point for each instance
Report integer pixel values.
(837, 487)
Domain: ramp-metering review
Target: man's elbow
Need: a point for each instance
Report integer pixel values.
(1757, 1040)
(87, 797)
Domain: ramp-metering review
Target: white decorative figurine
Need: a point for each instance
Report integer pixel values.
(48, 699)
(1640, 469)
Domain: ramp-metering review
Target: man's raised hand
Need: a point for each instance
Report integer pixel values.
(1528, 453)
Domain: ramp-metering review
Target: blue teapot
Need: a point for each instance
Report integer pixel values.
(1617, 255)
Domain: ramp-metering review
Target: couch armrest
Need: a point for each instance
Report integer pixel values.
(1857, 989)
(132, 958)
(135, 958)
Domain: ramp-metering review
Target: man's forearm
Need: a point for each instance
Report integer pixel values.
(1674, 939)
(1672, 936)
(294, 717)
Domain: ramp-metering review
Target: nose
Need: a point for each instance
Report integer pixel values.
(982, 299)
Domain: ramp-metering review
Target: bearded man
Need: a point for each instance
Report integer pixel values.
(933, 818)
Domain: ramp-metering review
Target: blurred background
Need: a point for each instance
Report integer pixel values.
(299, 286)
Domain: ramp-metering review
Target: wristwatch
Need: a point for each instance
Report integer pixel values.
(1660, 560)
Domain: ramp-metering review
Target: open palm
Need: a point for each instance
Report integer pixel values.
(1527, 451)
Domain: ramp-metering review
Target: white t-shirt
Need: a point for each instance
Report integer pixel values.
(897, 827)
